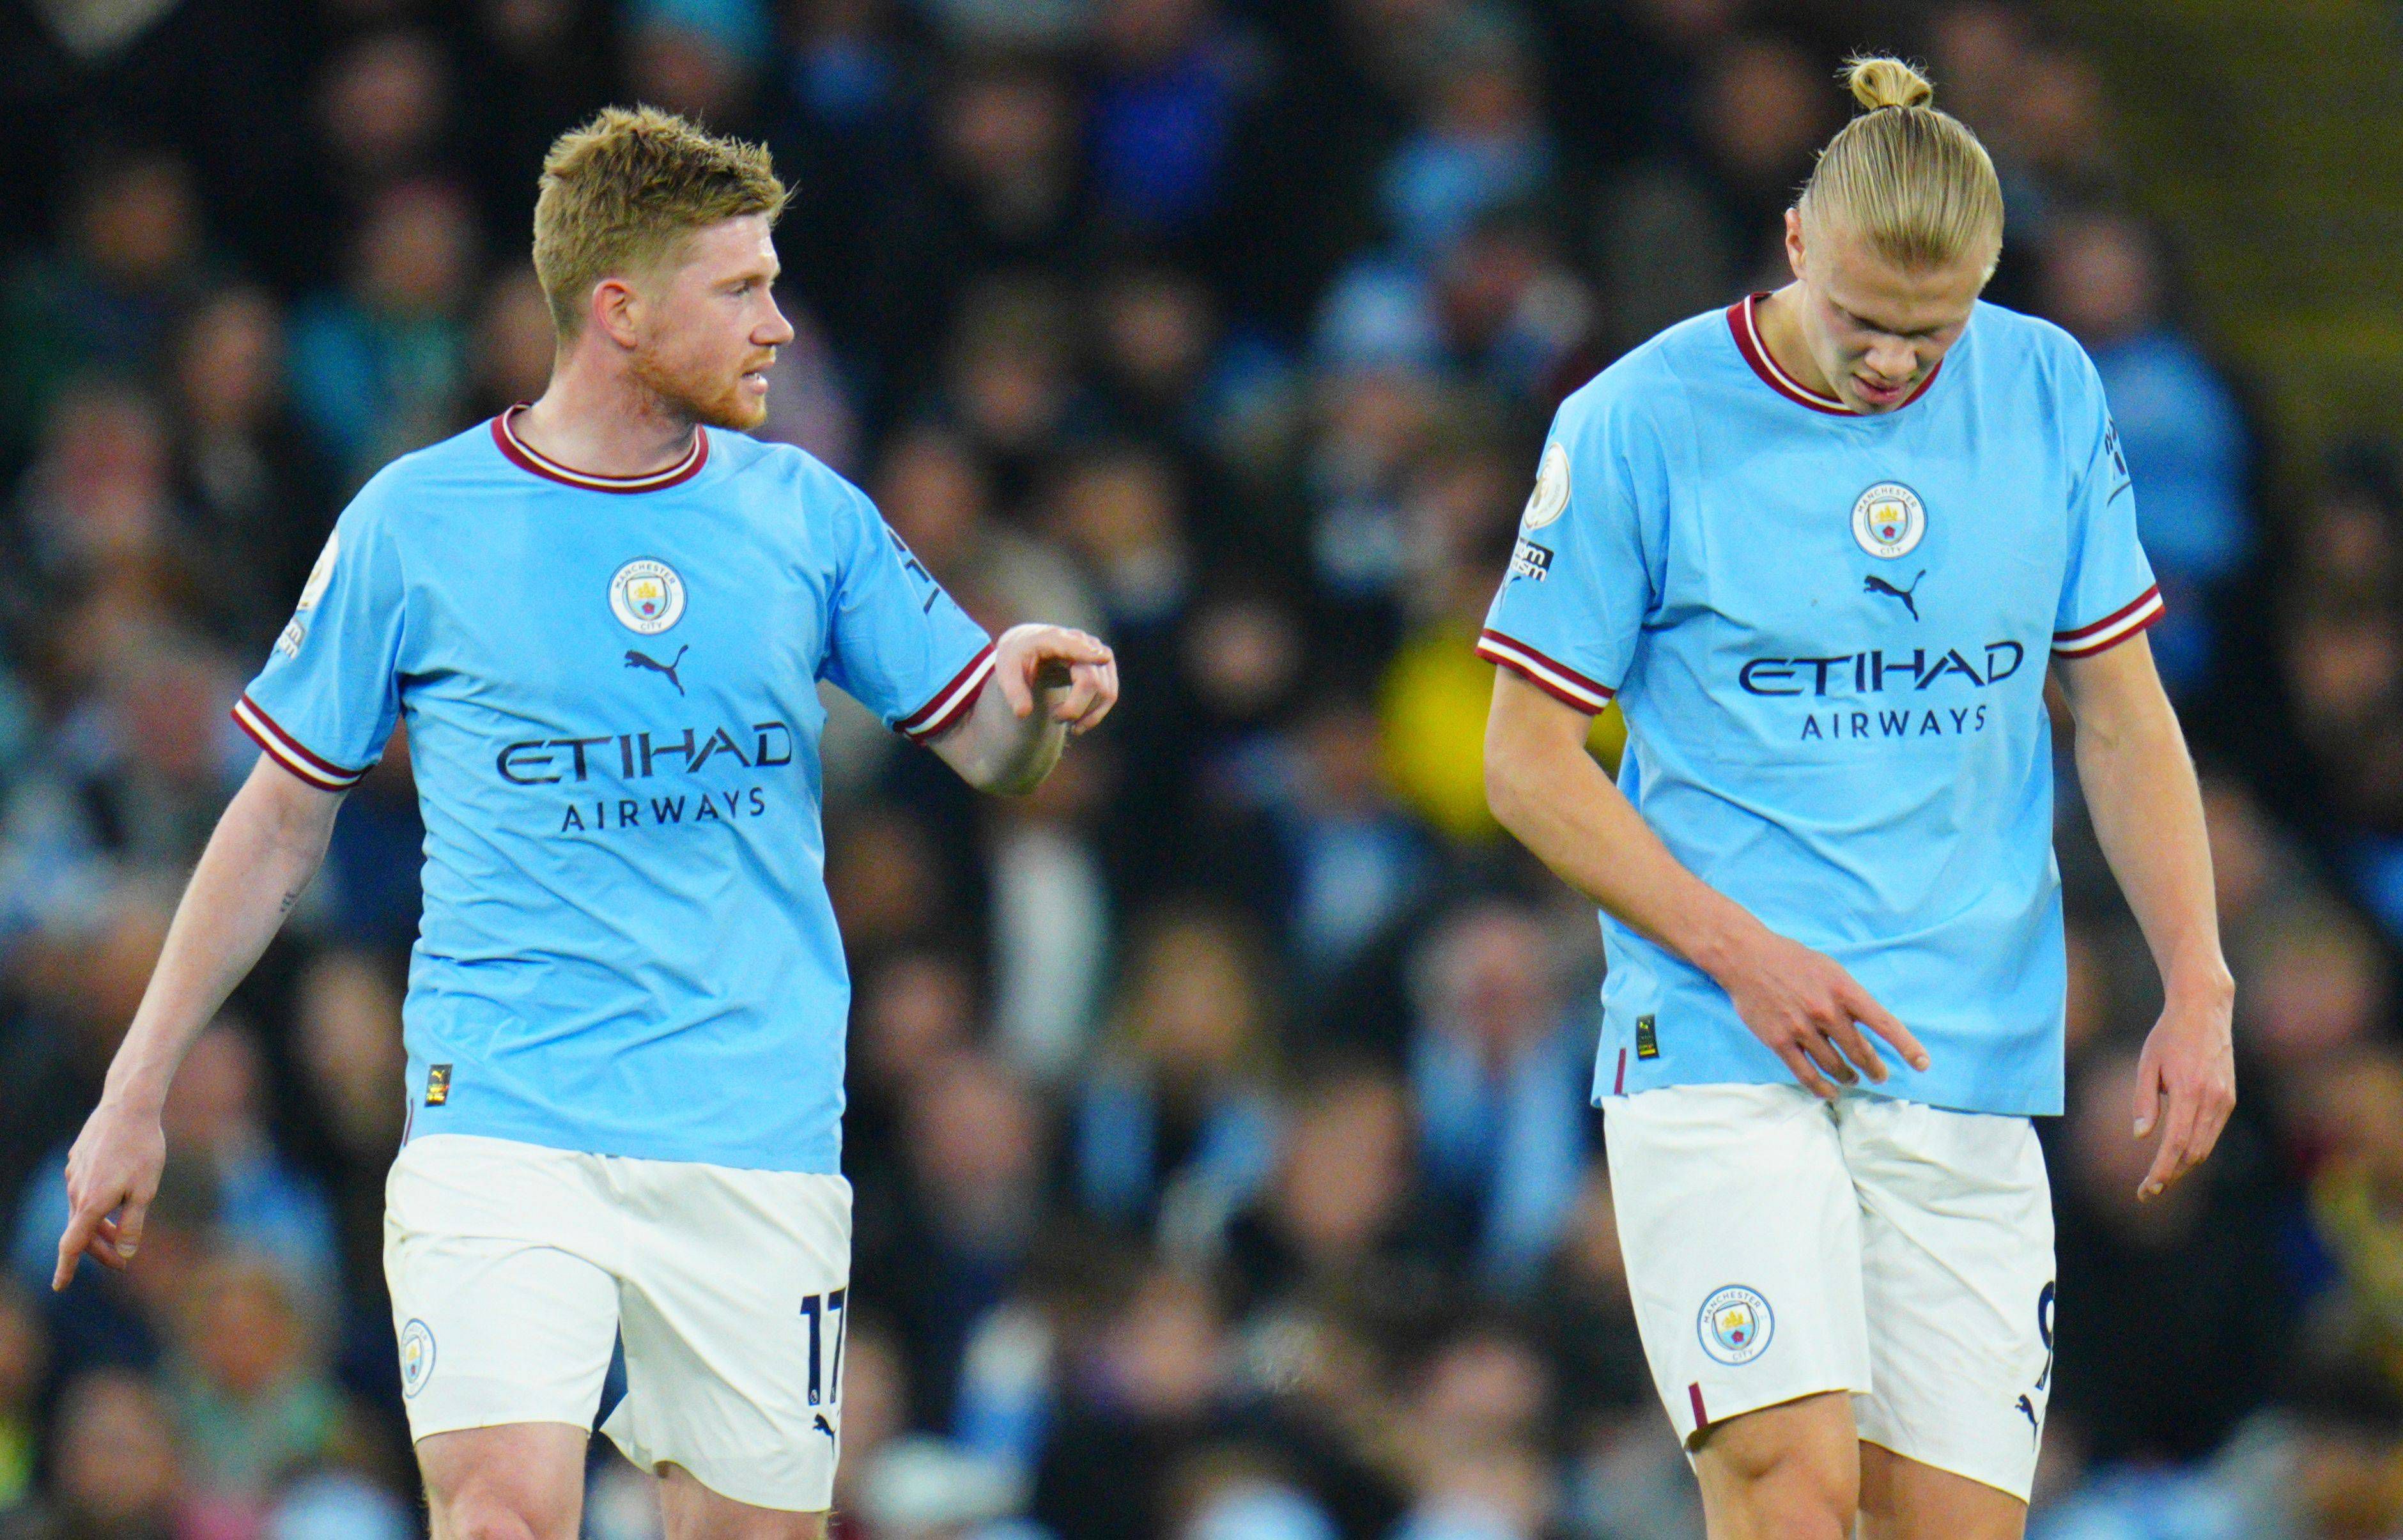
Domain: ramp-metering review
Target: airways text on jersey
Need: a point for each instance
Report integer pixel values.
(1924, 692)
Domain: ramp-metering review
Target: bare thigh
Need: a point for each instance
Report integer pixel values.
(693, 1512)
(1787, 1472)
(1902, 1499)
(520, 1481)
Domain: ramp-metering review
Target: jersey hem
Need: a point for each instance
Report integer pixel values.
(1557, 680)
(951, 702)
(2115, 628)
(671, 1152)
(289, 752)
(1936, 1097)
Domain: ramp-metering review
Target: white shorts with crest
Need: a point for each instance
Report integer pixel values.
(515, 1269)
(1780, 1246)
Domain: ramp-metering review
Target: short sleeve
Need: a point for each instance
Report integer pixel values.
(326, 704)
(896, 642)
(1580, 583)
(2107, 591)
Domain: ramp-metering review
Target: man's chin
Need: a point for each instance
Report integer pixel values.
(740, 415)
(733, 407)
(738, 410)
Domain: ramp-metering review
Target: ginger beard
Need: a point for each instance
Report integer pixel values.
(709, 384)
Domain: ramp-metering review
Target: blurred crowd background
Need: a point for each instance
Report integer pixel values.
(1218, 1116)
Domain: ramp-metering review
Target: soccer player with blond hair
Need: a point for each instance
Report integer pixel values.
(603, 617)
(1822, 549)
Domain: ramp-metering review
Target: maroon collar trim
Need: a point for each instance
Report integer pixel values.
(526, 457)
(1748, 343)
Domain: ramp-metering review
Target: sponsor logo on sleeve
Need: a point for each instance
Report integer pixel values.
(296, 630)
(322, 574)
(1530, 562)
(1550, 498)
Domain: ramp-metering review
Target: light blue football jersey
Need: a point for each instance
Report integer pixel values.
(610, 691)
(1829, 633)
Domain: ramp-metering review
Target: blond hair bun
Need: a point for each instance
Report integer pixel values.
(1878, 81)
(1915, 182)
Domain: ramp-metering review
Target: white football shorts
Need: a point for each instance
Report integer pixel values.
(514, 1269)
(1780, 1246)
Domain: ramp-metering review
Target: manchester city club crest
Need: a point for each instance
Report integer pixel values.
(1736, 1325)
(646, 596)
(416, 1357)
(1550, 498)
(1888, 519)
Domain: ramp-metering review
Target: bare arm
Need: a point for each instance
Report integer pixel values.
(1053, 682)
(1546, 790)
(2140, 789)
(267, 846)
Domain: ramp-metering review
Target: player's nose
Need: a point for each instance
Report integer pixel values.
(1892, 361)
(776, 331)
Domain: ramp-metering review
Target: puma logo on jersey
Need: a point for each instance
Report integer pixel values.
(635, 659)
(1874, 584)
(819, 1423)
(2027, 1409)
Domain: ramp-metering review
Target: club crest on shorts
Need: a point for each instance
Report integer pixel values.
(646, 596)
(416, 1357)
(1736, 1325)
(1550, 498)
(1888, 520)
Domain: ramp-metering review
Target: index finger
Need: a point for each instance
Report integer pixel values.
(1073, 645)
(72, 1245)
(1881, 1020)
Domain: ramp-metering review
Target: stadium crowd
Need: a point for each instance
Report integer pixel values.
(1218, 1116)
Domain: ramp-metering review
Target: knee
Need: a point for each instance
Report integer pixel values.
(1793, 1490)
(494, 1516)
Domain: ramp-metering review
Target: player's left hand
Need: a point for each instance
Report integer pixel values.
(2186, 1085)
(1077, 673)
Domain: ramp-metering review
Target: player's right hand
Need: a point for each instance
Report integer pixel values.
(111, 1175)
(1810, 1012)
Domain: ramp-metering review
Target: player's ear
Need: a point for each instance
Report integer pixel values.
(1793, 241)
(616, 307)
